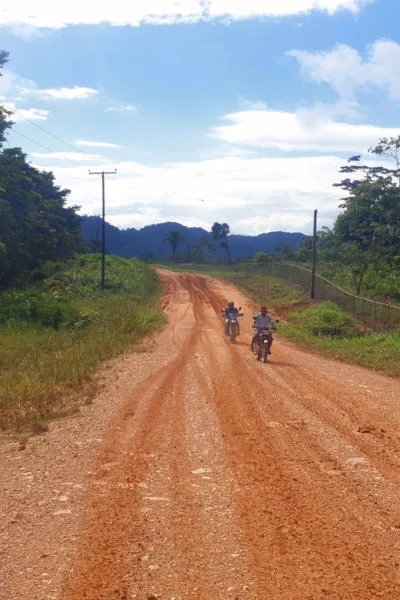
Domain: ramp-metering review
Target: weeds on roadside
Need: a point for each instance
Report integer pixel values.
(52, 340)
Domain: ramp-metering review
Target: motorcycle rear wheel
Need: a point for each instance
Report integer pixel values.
(262, 352)
(265, 350)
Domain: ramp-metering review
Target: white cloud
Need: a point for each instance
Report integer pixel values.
(346, 70)
(12, 84)
(302, 131)
(24, 15)
(15, 90)
(93, 144)
(127, 108)
(246, 104)
(276, 222)
(34, 114)
(272, 8)
(71, 156)
(252, 194)
(22, 114)
(74, 93)
(7, 83)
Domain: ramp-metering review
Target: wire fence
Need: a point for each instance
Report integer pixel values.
(378, 316)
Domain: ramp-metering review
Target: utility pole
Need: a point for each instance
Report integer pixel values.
(103, 225)
(314, 256)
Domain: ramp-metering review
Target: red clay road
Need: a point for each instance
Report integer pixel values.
(222, 478)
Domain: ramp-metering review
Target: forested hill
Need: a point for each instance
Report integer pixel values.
(149, 241)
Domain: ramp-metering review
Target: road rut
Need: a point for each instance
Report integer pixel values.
(217, 477)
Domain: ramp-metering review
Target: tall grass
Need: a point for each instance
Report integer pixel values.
(43, 363)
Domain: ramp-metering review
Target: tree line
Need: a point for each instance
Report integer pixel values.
(35, 224)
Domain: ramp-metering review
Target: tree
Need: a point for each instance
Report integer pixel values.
(261, 258)
(389, 147)
(367, 233)
(285, 252)
(4, 114)
(202, 250)
(220, 233)
(35, 225)
(174, 238)
(304, 250)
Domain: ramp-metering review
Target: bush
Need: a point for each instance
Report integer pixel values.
(262, 257)
(36, 307)
(40, 368)
(327, 319)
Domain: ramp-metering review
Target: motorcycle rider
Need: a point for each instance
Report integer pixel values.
(262, 321)
(231, 308)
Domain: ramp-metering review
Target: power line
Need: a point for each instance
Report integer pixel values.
(54, 136)
(31, 140)
(44, 147)
(11, 112)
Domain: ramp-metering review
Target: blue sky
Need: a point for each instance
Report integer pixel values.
(209, 109)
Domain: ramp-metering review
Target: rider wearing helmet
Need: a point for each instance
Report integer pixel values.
(231, 308)
(262, 321)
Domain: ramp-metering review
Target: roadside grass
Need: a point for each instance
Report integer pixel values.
(44, 364)
(340, 338)
(378, 351)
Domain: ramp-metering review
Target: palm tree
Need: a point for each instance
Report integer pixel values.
(174, 238)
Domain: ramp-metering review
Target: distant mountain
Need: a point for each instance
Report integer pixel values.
(148, 241)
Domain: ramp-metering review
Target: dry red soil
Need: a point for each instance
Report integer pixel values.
(200, 473)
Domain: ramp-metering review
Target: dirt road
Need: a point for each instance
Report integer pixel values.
(199, 473)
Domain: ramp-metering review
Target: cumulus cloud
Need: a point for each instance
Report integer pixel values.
(24, 15)
(16, 90)
(284, 8)
(347, 71)
(12, 84)
(64, 93)
(121, 109)
(301, 131)
(252, 194)
(70, 156)
(246, 104)
(23, 114)
(94, 144)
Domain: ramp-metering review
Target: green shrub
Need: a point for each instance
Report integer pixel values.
(52, 338)
(326, 319)
(36, 307)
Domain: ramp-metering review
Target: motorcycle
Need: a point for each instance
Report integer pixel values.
(263, 341)
(232, 323)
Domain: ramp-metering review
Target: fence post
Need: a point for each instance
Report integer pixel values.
(314, 256)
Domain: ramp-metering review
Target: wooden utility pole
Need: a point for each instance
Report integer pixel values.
(103, 225)
(314, 256)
